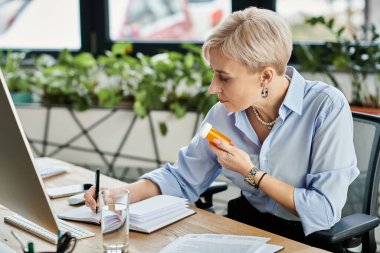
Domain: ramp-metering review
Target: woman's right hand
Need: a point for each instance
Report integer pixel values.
(139, 190)
(89, 196)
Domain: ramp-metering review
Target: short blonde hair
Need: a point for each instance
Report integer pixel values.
(255, 37)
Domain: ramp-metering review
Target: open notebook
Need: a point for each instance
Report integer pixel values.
(113, 221)
(145, 216)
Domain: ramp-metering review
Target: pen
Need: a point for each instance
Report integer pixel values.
(30, 247)
(23, 246)
(97, 176)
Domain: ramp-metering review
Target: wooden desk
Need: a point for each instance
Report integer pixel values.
(201, 222)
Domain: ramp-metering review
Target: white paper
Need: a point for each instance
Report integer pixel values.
(144, 216)
(82, 213)
(49, 167)
(159, 203)
(217, 243)
(113, 220)
(5, 249)
(162, 222)
(269, 248)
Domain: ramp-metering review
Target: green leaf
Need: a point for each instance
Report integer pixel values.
(122, 48)
(189, 60)
(340, 62)
(175, 56)
(192, 48)
(109, 97)
(340, 31)
(84, 60)
(330, 23)
(139, 109)
(178, 110)
(65, 57)
(316, 20)
(163, 128)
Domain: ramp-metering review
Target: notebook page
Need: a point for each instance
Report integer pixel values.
(156, 215)
(155, 204)
(161, 220)
(82, 213)
(215, 243)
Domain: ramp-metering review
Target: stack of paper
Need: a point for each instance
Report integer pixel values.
(49, 167)
(144, 216)
(156, 212)
(219, 243)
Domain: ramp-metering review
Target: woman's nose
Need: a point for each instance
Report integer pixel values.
(214, 87)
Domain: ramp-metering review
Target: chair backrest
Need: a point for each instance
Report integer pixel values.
(363, 192)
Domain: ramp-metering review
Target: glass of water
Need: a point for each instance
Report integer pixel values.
(115, 221)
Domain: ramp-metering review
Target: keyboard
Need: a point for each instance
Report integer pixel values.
(33, 228)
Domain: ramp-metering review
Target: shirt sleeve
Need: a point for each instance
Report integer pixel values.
(333, 168)
(193, 172)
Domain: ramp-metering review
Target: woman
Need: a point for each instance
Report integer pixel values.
(292, 153)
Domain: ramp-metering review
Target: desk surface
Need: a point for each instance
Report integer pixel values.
(201, 222)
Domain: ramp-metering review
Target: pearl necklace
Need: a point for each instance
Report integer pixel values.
(269, 125)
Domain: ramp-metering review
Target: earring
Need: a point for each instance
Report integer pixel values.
(264, 92)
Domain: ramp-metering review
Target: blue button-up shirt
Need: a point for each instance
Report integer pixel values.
(309, 147)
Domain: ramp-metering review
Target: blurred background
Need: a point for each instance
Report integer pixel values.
(53, 25)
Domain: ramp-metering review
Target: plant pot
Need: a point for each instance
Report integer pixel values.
(106, 138)
(21, 97)
(368, 110)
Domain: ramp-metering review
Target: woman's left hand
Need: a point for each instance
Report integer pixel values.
(231, 157)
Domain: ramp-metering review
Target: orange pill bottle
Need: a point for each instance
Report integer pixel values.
(209, 133)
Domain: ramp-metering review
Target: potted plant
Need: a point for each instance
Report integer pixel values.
(67, 80)
(173, 81)
(146, 95)
(359, 57)
(16, 76)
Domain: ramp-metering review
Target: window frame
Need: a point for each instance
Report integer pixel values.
(94, 30)
(100, 31)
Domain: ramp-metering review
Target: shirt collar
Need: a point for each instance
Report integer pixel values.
(295, 94)
(293, 100)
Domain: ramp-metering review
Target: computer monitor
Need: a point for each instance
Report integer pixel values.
(21, 187)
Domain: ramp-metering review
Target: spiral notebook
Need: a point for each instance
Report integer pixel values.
(145, 216)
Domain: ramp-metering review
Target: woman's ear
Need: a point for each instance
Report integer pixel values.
(267, 75)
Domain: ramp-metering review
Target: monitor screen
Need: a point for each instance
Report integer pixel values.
(21, 187)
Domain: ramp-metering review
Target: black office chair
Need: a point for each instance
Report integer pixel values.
(356, 228)
(359, 216)
(206, 200)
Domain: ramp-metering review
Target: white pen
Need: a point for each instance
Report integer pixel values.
(23, 245)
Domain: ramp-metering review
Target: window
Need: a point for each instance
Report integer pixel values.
(88, 25)
(164, 20)
(40, 24)
(350, 13)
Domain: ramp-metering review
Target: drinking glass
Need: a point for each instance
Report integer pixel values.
(115, 221)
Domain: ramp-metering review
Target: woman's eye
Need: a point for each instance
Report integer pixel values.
(223, 79)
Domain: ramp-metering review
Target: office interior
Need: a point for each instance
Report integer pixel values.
(110, 133)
